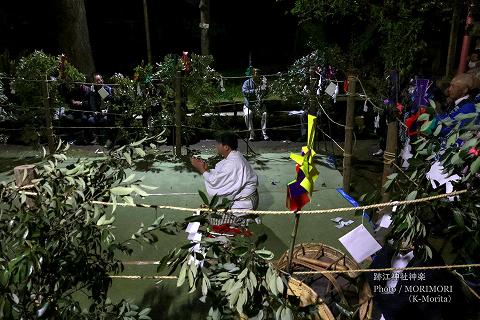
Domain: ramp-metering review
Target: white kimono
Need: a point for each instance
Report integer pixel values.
(233, 178)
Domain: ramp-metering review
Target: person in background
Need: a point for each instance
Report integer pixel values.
(90, 107)
(232, 178)
(459, 101)
(254, 90)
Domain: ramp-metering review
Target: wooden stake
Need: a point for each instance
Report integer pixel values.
(348, 148)
(178, 114)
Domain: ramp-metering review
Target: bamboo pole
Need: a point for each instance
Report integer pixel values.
(147, 32)
(452, 46)
(389, 155)
(292, 244)
(347, 154)
(204, 26)
(178, 114)
(48, 116)
(23, 176)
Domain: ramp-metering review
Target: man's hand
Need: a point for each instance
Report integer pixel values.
(76, 103)
(199, 164)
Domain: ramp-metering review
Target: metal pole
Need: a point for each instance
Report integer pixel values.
(147, 32)
(178, 114)
(347, 154)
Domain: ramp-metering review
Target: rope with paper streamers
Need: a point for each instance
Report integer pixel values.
(279, 212)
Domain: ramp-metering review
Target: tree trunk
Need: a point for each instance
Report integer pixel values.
(204, 26)
(73, 36)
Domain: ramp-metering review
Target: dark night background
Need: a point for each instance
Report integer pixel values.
(117, 33)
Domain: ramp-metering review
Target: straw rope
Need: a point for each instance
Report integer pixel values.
(145, 277)
(279, 212)
(454, 266)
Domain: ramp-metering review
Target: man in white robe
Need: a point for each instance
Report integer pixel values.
(233, 177)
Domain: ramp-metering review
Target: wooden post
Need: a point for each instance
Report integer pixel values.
(23, 176)
(147, 32)
(389, 155)
(204, 26)
(48, 116)
(347, 153)
(178, 114)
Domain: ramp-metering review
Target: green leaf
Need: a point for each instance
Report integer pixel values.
(463, 116)
(265, 254)
(129, 178)
(140, 152)
(204, 197)
(121, 191)
(412, 195)
(213, 202)
(139, 191)
(240, 251)
(144, 311)
(243, 274)
(182, 275)
(475, 166)
(280, 286)
(42, 310)
(438, 130)
(470, 143)
(452, 139)
(458, 216)
(127, 157)
(287, 314)
(278, 313)
(104, 221)
(423, 117)
(137, 143)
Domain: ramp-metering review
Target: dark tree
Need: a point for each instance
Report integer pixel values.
(73, 34)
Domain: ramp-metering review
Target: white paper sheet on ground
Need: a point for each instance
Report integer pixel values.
(103, 93)
(385, 221)
(192, 227)
(342, 224)
(360, 243)
(337, 219)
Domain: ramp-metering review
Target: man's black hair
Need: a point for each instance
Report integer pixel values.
(228, 138)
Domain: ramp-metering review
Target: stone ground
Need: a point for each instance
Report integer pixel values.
(275, 170)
